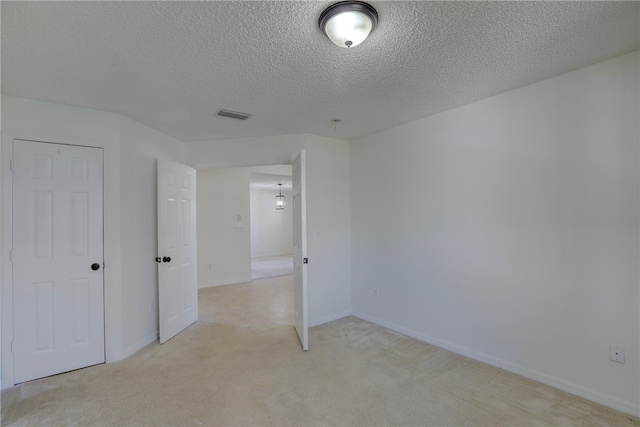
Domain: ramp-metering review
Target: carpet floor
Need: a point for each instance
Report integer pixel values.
(271, 266)
(259, 302)
(228, 373)
(355, 374)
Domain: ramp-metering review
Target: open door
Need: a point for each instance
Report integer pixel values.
(177, 280)
(300, 248)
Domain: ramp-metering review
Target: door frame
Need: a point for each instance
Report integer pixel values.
(111, 293)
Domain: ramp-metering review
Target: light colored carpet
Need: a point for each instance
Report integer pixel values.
(271, 266)
(259, 302)
(241, 374)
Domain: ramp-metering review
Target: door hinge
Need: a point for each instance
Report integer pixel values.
(11, 255)
(305, 260)
(11, 165)
(11, 346)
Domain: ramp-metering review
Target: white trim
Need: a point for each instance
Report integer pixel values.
(575, 389)
(6, 289)
(244, 279)
(330, 318)
(132, 349)
(270, 255)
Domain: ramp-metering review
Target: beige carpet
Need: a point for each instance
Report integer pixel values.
(259, 302)
(271, 266)
(355, 374)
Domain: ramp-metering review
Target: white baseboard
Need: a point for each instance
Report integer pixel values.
(329, 318)
(592, 395)
(136, 347)
(278, 254)
(224, 282)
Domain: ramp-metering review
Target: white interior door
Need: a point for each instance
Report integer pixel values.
(177, 279)
(298, 172)
(58, 284)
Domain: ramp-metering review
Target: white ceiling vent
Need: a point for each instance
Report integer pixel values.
(234, 114)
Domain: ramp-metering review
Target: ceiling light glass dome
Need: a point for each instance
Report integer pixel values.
(348, 23)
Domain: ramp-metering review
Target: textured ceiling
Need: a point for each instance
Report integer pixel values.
(173, 65)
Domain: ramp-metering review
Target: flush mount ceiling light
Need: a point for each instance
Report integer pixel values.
(348, 23)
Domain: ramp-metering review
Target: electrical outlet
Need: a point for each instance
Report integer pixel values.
(616, 353)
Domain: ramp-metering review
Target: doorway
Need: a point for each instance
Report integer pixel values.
(245, 245)
(271, 225)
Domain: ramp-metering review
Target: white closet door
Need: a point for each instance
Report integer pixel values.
(58, 284)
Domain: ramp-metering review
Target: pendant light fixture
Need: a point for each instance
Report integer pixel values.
(280, 200)
(348, 23)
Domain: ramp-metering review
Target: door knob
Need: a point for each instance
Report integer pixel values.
(166, 259)
(95, 266)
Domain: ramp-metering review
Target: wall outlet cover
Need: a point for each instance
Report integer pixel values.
(616, 353)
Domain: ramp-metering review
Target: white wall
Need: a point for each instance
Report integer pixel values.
(60, 123)
(271, 229)
(328, 209)
(507, 230)
(140, 147)
(224, 241)
(130, 150)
